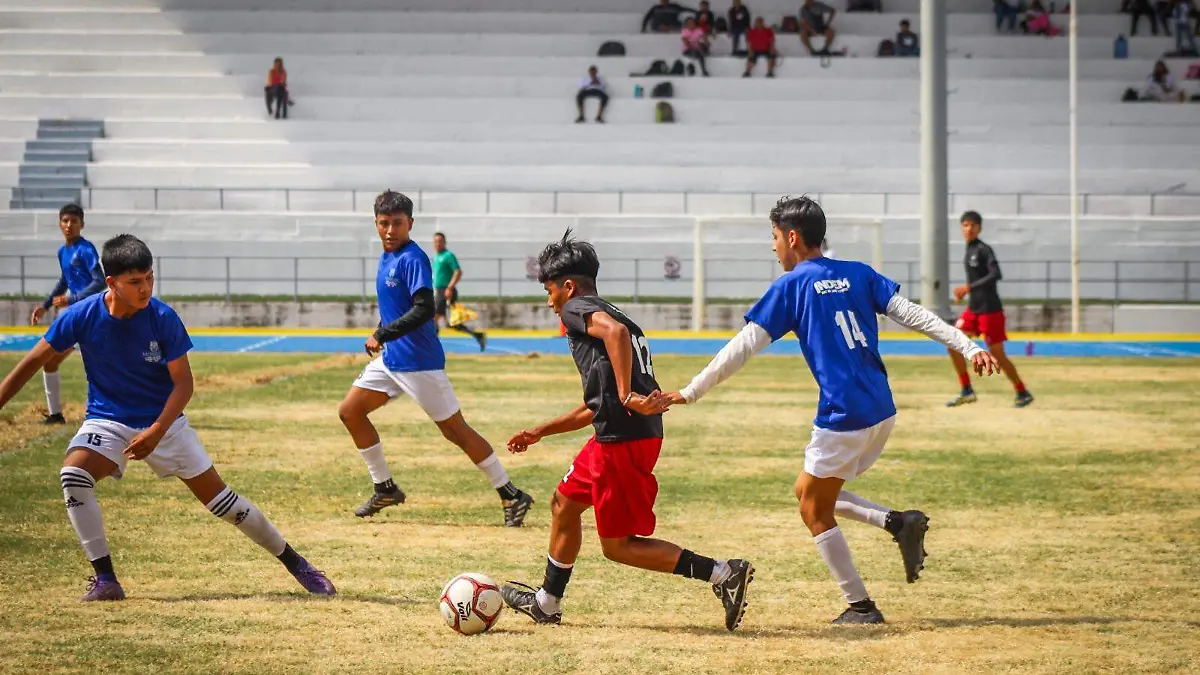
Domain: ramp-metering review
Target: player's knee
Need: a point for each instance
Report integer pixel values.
(349, 413)
(615, 549)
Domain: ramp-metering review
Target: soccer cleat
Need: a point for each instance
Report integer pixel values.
(967, 396)
(1023, 399)
(523, 599)
(580, 120)
(515, 510)
(732, 591)
(380, 501)
(99, 590)
(57, 418)
(911, 539)
(481, 338)
(312, 579)
(853, 616)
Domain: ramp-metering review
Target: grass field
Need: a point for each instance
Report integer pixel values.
(1064, 537)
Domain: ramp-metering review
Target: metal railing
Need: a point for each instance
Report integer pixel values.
(331, 200)
(294, 277)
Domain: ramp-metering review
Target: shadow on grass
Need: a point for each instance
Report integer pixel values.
(1013, 622)
(281, 596)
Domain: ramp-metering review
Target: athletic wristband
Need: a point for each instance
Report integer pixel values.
(628, 398)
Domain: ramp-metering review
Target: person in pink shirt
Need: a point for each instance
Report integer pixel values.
(695, 43)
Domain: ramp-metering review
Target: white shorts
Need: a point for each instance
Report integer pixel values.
(429, 388)
(845, 454)
(180, 453)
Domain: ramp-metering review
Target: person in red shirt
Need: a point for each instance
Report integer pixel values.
(760, 41)
(276, 89)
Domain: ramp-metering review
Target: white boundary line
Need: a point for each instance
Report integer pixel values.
(264, 343)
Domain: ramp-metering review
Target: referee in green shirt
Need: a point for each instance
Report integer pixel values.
(446, 275)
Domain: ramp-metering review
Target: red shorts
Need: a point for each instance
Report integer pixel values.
(617, 480)
(990, 326)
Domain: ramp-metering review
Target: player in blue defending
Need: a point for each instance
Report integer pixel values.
(81, 278)
(831, 305)
(139, 381)
(412, 363)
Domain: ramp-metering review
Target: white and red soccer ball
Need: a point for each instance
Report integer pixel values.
(471, 603)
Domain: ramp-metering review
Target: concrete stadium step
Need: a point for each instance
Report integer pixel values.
(56, 146)
(49, 157)
(50, 181)
(53, 169)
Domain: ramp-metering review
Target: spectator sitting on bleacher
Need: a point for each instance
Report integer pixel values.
(1007, 12)
(706, 19)
(908, 43)
(695, 43)
(1037, 21)
(276, 89)
(816, 18)
(739, 23)
(592, 86)
(760, 41)
(664, 17)
(1160, 86)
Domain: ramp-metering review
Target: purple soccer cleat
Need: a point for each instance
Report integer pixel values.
(99, 590)
(312, 579)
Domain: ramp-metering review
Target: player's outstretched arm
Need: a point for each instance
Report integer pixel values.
(181, 377)
(571, 421)
(618, 343)
(37, 357)
(95, 286)
(60, 290)
(915, 317)
(750, 341)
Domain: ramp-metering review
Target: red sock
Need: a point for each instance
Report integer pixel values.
(964, 379)
(1020, 387)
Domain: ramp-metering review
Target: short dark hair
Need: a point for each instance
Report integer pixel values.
(972, 216)
(904, 22)
(71, 210)
(569, 258)
(439, 234)
(125, 253)
(390, 203)
(801, 215)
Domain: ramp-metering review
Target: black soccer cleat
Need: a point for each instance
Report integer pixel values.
(380, 501)
(56, 418)
(1023, 399)
(515, 510)
(732, 591)
(523, 598)
(911, 539)
(853, 616)
(967, 396)
(481, 338)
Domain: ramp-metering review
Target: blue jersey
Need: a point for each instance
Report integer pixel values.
(125, 359)
(400, 275)
(81, 275)
(832, 305)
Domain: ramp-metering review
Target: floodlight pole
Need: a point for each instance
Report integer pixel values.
(935, 243)
(1074, 142)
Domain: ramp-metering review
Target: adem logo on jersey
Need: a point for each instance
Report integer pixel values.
(831, 286)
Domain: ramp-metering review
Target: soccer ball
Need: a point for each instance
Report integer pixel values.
(471, 603)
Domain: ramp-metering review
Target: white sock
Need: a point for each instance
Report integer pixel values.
(245, 516)
(548, 603)
(376, 464)
(836, 552)
(52, 383)
(79, 494)
(720, 572)
(853, 507)
(494, 470)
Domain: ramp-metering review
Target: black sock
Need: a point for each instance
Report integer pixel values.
(893, 524)
(863, 606)
(464, 328)
(694, 566)
(556, 579)
(289, 558)
(104, 568)
(508, 491)
(388, 485)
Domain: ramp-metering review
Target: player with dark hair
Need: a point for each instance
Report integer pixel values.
(446, 275)
(984, 314)
(411, 361)
(139, 381)
(81, 278)
(614, 472)
(831, 306)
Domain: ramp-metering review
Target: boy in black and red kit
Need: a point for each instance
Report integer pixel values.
(614, 472)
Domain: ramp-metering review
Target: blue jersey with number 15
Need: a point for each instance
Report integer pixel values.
(832, 305)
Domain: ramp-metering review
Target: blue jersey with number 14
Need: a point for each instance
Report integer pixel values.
(832, 305)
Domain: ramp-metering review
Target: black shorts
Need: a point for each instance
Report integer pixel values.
(755, 56)
(439, 301)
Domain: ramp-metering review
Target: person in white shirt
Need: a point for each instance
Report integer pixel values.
(1160, 86)
(592, 86)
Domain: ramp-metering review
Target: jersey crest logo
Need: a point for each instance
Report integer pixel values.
(831, 286)
(154, 355)
(391, 280)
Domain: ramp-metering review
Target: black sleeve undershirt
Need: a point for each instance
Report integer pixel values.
(420, 312)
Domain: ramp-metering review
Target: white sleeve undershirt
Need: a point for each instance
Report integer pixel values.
(752, 340)
(916, 317)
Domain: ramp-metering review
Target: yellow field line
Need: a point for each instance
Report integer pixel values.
(661, 335)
